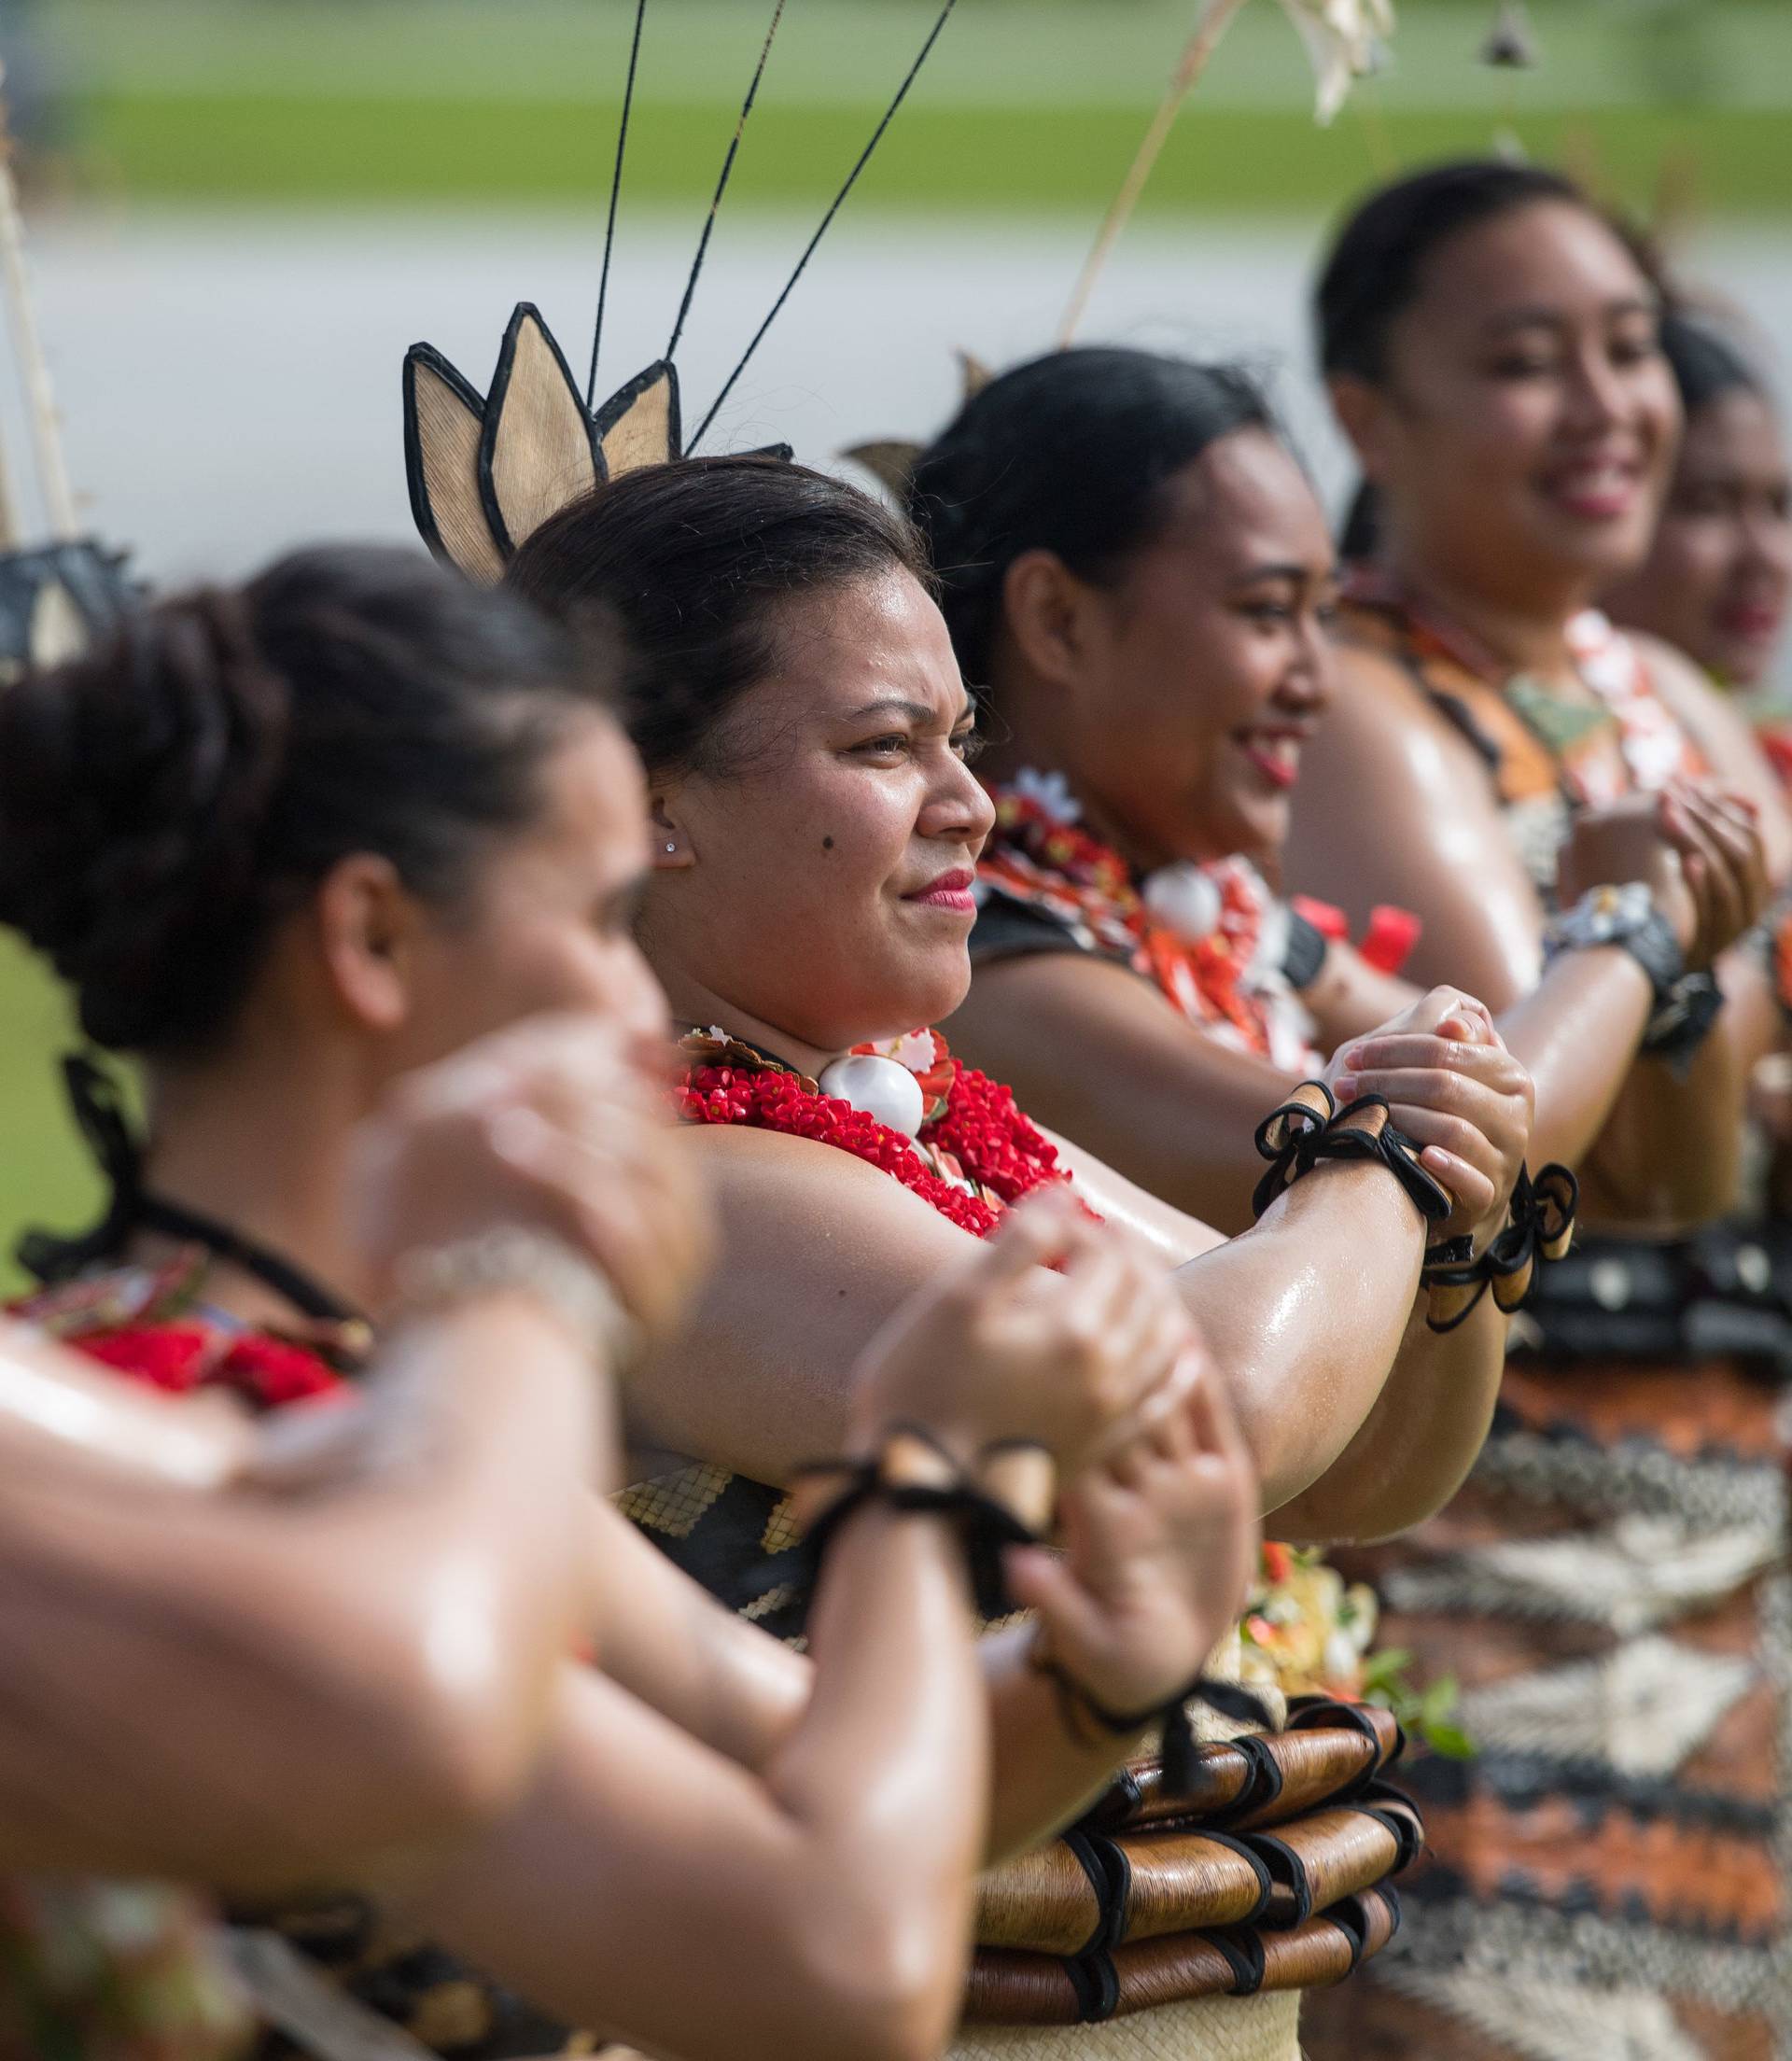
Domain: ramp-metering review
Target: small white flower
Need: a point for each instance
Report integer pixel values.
(914, 1050)
(1050, 791)
(1345, 40)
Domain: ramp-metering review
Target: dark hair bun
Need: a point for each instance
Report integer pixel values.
(132, 784)
(167, 799)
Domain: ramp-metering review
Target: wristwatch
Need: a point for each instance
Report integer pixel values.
(1685, 1004)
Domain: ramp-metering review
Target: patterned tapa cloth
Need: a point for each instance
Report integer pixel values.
(1609, 1873)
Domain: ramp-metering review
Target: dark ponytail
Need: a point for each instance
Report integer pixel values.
(1072, 454)
(168, 798)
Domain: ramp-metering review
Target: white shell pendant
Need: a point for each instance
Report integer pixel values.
(879, 1088)
(1182, 899)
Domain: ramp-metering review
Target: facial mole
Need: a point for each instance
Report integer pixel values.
(827, 843)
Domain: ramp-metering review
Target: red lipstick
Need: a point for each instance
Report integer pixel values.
(951, 891)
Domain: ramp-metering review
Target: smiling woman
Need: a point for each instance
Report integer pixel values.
(837, 699)
(816, 827)
(1492, 344)
(1718, 576)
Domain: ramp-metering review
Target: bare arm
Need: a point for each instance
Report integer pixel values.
(1148, 1093)
(831, 1893)
(1305, 1314)
(1175, 1111)
(320, 1680)
(1729, 742)
(651, 1889)
(1150, 1596)
(1658, 1149)
(737, 1689)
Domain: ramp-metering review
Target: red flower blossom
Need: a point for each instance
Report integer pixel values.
(272, 1373)
(980, 1131)
(170, 1356)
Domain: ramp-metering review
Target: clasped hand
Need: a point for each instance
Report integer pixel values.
(1065, 1331)
(1457, 1093)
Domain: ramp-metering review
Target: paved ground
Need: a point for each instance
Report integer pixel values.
(232, 384)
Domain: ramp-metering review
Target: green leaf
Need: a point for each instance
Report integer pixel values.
(1450, 1742)
(1438, 1701)
(1382, 1670)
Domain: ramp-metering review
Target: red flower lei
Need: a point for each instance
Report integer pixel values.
(148, 1324)
(975, 1153)
(1038, 857)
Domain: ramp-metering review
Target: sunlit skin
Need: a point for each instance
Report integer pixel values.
(1184, 690)
(367, 981)
(1525, 431)
(786, 911)
(818, 1819)
(1522, 435)
(818, 886)
(1718, 575)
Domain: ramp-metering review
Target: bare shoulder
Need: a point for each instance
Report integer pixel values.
(1386, 728)
(1727, 739)
(1366, 677)
(771, 1187)
(1687, 688)
(1044, 979)
(1719, 727)
(1383, 751)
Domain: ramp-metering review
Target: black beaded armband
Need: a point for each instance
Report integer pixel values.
(1004, 1500)
(1309, 1127)
(1540, 1226)
(1089, 1721)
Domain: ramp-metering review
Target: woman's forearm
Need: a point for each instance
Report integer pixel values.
(1043, 1778)
(1669, 1155)
(744, 1693)
(1669, 1158)
(669, 1642)
(1578, 1033)
(1305, 1316)
(323, 1677)
(1418, 1443)
(652, 1887)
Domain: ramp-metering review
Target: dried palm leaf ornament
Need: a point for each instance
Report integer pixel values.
(56, 595)
(1345, 40)
(486, 472)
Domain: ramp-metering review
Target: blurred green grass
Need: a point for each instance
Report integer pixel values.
(264, 148)
(45, 1177)
(1027, 105)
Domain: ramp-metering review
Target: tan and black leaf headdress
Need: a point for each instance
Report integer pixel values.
(486, 472)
